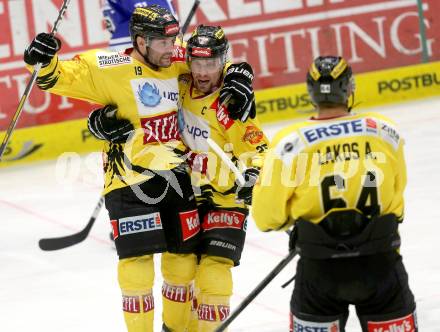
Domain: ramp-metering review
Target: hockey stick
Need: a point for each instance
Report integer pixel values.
(57, 243)
(190, 16)
(30, 85)
(257, 290)
(218, 150)
(213, 145)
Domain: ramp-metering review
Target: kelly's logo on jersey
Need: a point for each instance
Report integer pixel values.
(222, 114)
(190, 224)
(340, 129)
(224, 219)
(136, 224)
(403, 324)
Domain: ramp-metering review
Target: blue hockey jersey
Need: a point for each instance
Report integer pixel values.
(117, 15)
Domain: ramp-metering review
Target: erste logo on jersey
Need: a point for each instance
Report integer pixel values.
(155, 96)
(136, 224)
(299, 325)
(162, 128)
(328, 131)
(109, 59)
(223, 219)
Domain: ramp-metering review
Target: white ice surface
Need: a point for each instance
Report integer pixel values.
(76, 289)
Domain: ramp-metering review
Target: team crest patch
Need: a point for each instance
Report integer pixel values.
(253, 135)
(149, 94)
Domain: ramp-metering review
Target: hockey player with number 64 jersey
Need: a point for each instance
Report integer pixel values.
(339, 178)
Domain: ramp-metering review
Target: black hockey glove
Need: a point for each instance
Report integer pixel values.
(237, 91)
(244, 192)
(42, 49)
(103, 124)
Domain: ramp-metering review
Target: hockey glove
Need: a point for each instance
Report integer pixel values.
(42, 49)
(237, 91)
(244, 192)
(104, 125)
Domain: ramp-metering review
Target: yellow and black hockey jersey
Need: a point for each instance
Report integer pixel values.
(148, 98)
(201, 117)
(316, 167)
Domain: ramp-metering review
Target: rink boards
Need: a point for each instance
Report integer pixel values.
(274, 104)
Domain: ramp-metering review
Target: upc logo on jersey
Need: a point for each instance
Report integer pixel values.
(403, 324)
(149, 95)
(138, 224)
(162, 128)
(190, 223)
(107, 59)
(299, 325)
(194, 129)
(223, 219)
(328, 131)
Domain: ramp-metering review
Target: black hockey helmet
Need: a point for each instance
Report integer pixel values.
(207, 42)
(330, 81)
(153, 21)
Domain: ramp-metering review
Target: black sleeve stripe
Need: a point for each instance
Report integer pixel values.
(48, 81)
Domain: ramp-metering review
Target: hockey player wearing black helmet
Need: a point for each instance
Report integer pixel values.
(223, 218)
(346, 202)
(147, 189)
(153, 32)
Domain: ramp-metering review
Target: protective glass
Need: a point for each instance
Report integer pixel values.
(208, 65)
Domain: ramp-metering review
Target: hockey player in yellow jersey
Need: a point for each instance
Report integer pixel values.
(147, 189)
(223, 219)
(201, 117)
(339, 178)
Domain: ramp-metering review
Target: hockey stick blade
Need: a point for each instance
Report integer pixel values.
(56, 243)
